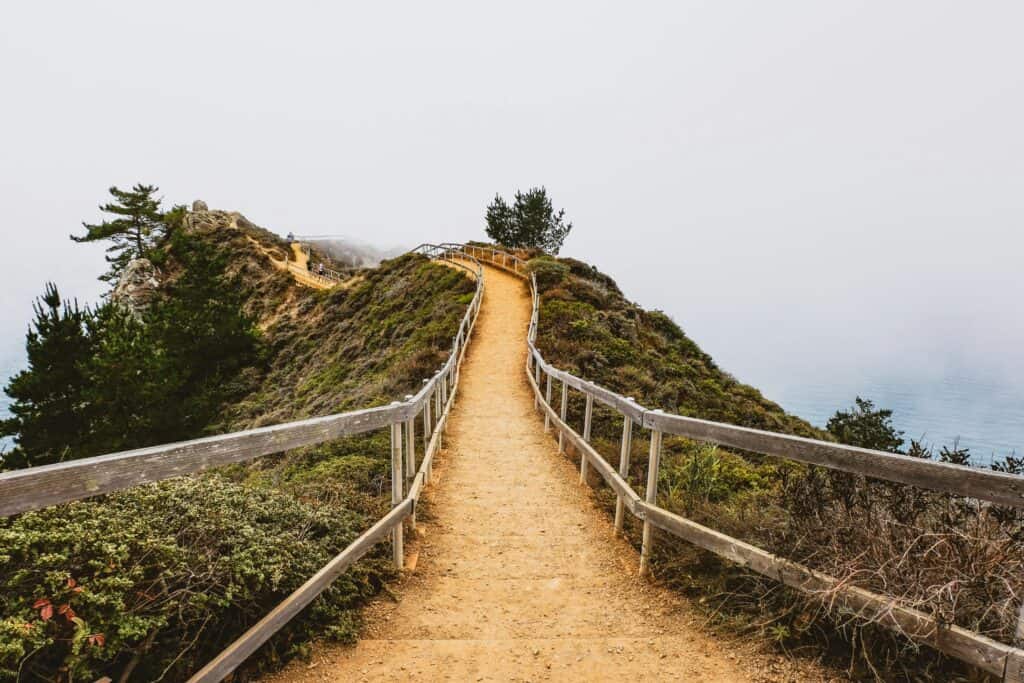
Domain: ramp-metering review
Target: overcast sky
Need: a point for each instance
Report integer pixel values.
(808, 188)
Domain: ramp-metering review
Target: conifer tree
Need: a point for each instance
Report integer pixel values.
(866, 427)
(137, 224)
(49, 409)
(531, 222)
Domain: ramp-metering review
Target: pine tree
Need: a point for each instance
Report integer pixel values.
(49, 409)
(955, 455)
(138, 225)
(500, 224)
(531, 222)
(207, 337)
(864, 426)
(133, 386)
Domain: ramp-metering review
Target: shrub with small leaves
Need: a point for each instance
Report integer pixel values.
(160, 578)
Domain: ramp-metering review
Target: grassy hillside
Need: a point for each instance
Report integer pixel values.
(939, 553)
(156, 580)
(588, 328)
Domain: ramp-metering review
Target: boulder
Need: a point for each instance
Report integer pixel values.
(199, 205)
(137, 286)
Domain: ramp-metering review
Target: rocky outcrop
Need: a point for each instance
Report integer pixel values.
(137, 286)
(207, 220)
(199, 205)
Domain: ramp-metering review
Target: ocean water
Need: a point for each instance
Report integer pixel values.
(982, 413)
(985, 414)
(10, 364)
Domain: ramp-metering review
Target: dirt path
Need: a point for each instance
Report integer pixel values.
(518, 577)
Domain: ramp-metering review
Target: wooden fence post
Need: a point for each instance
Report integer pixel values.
(536, 378)
(440, 411)
(410, 447)
(410, 460)
(588, 418)
(547, 400)
(564, 408)
(651, 496)
(397, 540)
(627, 445)
(427, 426)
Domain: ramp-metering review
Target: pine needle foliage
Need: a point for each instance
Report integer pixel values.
(530, 222)
(136, 228)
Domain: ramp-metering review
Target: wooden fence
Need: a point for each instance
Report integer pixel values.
(985, 486)
(37, 487)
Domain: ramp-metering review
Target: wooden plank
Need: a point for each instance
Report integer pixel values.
(965, 645)
(228, 660)
(973, 482)
(38, 487)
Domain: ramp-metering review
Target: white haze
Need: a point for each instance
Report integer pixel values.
(813, 190)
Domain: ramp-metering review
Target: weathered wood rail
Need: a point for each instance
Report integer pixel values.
(1002, 660)
(37, 487)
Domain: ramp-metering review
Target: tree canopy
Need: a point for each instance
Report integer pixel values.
(137, 225)
(531, 221)
(866, 427)
(47, 408)
(103, 379)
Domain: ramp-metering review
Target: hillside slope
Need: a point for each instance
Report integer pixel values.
(152, 582)
(941, 554)
(588, 328)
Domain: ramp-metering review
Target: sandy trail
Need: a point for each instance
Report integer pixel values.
(518, 577)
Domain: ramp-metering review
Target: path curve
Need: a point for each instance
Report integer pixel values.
(517, 576)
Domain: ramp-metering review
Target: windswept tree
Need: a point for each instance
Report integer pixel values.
(865, 426)
(531, 221)
(138, 223)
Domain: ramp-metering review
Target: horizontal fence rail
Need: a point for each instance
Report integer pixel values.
(37, 487)
(1004, 661)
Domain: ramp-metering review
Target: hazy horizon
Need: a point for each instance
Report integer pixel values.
(817, 193)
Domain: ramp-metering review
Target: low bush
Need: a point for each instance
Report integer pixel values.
(156, 580)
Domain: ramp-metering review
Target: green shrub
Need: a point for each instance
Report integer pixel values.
(549, 271)
(171, 572)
